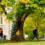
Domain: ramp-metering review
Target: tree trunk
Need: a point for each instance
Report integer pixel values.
(0, 0)
(19, 29)
(19, 32)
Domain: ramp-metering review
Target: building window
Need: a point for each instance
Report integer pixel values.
(1, 21)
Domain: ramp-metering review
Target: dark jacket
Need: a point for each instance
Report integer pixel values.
(35, 31)
(1, 34)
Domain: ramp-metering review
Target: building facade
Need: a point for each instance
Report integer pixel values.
(6, 27)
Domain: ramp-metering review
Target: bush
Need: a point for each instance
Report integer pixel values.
(30, 36)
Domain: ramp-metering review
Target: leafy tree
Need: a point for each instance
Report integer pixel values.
(33, 21)
(22, 8)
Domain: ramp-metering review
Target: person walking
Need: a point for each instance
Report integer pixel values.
(35, 33)
(2, 35)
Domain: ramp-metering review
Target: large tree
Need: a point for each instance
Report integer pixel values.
(22, 8)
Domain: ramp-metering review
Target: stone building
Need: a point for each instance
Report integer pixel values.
(6, 27)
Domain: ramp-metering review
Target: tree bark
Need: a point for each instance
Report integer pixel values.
(0, 0)
(19, 29)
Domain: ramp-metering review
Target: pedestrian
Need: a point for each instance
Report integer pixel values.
(2, 35)
(35, 33)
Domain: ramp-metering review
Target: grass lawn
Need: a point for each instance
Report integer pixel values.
(42, 42)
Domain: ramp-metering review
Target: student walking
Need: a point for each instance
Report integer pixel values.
(35, 33)
(0, 35)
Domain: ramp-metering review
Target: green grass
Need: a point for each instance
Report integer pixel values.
(42, 42)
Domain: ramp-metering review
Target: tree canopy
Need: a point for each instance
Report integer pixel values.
(21, 7)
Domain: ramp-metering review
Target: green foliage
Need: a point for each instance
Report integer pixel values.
(30, 36)
(13, 30)
(21, 9)
(35, 20)
(9, 16)
(11, 3)
(14, 24)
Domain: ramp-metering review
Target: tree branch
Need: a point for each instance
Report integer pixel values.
(22, 4)
(0, 0)
(24, 16)
(3, 7)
